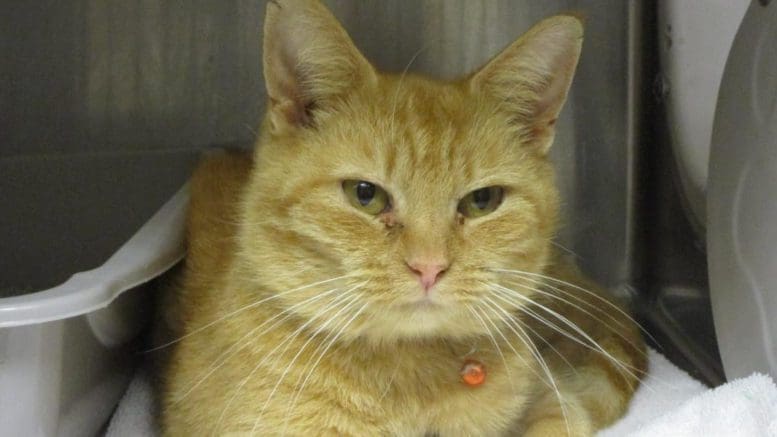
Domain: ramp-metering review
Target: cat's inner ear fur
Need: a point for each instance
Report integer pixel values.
(531, 77)
(309, 60)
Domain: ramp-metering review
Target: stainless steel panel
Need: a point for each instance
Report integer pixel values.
(63, 214)
(93, 75)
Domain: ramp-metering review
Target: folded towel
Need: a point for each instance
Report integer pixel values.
(743, 407)
(670, 403)
(664, 389)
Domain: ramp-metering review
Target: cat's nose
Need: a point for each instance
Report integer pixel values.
(428, 272)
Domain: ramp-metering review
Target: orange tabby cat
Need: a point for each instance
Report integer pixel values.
(382, 264)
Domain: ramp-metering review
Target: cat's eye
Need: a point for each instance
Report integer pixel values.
(366, 196)
(481, 202)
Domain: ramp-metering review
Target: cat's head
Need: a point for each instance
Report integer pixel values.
(392, 203)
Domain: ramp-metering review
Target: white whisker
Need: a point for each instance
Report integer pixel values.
(594, 346)
(577, 287)
(230, 352)
(564, 248)
(538, 284)
(245, 308)
(323, 326)
(630, 371)
(286, 340)
(399, 85)
(584, 311)
(498, 349)
(391, 380)
(544, 365)
(511, 318)
(318, 360)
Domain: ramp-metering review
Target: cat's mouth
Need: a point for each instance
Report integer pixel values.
(423, 302)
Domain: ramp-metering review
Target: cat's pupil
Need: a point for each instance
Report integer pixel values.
(481, 198)
(365, 192)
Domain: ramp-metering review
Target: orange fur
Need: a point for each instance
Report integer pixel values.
(294, 276)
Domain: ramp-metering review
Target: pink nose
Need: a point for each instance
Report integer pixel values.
(428, 273)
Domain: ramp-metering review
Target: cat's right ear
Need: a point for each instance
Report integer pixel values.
(309, 61)
(530, 79)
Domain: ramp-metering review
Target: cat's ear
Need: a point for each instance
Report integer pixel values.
(308, 61)
(531, 77)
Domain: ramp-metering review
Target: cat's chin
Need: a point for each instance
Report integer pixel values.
(422, 304)
(418, 319)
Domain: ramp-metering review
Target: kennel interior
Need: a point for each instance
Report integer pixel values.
(106, 106)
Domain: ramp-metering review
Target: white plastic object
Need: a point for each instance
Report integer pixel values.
(694, 41)
(742, 202)
(64, 363)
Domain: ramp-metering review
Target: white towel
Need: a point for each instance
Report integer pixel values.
(134, 417)
(672, 404)
(669, 404)
(743, 407)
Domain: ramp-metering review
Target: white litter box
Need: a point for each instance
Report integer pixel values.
(66, 353)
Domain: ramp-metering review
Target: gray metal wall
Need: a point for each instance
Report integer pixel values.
(96, 78)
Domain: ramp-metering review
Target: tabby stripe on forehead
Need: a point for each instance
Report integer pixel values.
(390, 158)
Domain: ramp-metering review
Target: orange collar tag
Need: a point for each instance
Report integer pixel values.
(473, 373)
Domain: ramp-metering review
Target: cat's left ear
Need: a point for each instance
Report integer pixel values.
(530, 79)
(309, 61)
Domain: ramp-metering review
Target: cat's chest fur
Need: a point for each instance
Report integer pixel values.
(419, 388)
(413, 388)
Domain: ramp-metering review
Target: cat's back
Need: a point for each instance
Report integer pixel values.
(215, 188)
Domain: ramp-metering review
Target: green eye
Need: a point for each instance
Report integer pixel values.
(366, 196)
(481, 202)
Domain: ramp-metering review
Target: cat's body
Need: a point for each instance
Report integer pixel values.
(303, 315)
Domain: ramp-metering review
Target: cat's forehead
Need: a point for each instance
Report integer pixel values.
(423, 129)
(424, 106)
